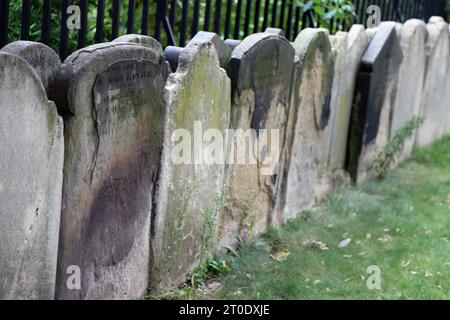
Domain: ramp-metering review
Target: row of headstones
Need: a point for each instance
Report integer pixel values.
(130, 215)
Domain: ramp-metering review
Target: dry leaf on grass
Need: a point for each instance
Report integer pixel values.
(344, 243)
(280, 255)
(315, 245)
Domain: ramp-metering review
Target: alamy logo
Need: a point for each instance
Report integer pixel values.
(374, 18)
(374, 280)
(73, 281)
(74, 19)
(239, 146)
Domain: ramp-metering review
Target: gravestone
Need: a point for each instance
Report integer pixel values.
(372, 104)
(307, 178)
(31, 162)
(433, 105)
(140, 39)
(112, 159)
(349, 48)
(192, 185)
(261, 70)
(43, 59)
(447, 112)
(413, 35)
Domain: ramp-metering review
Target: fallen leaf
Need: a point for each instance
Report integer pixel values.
(344, 243)
(280, 255)
(316, 245)
(404, 263)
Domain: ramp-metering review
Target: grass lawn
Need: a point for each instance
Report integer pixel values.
(400, 224)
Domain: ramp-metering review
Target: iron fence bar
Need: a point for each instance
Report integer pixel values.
(256, 16)
(45, 22)
(131, 16)
(289, 19)
(266, 14)
(82, 33)
(144, 22)
(26, 16)
(173, 13)
(297, 21)
(64, 35)
(237, 22)
(46, 19)
(207, 15)
(248, 12)
(357, 6)
(115, 19)
(184, 22)
(311, 18)
(226, 33)
(99, 22)
(282, 13)
(304, 18)
(161, 9)
(195, 18)
(274, 14)
(4, 22)
(217, 16)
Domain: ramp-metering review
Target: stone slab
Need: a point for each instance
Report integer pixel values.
(192, 186)
(113, 140)
(31, 162)
(307, 178)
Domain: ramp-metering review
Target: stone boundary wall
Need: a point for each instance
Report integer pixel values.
(120, 168)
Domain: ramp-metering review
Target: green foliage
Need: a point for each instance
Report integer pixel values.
(448, 10)
(176, 232)
(339, 11)
(211, 216)
(212, 268)
(394, 146)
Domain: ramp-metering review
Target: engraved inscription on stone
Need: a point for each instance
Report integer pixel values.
(123, 85)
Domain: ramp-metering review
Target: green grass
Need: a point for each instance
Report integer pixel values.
(400, 223)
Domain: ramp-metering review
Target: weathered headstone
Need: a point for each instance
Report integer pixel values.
(307, 177)
(31, 161)
(447, 111)
(413, 35)
(374, 97)
(434, 93)
(140, 39)
(43, 59)
(348, 49)
(261, 72)
(112, 159)
(192, 190)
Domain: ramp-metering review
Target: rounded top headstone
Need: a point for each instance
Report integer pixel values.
(140, 39)
(82, 67)
(41, 57)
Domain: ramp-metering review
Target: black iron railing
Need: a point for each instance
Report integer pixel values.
(173, 22)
